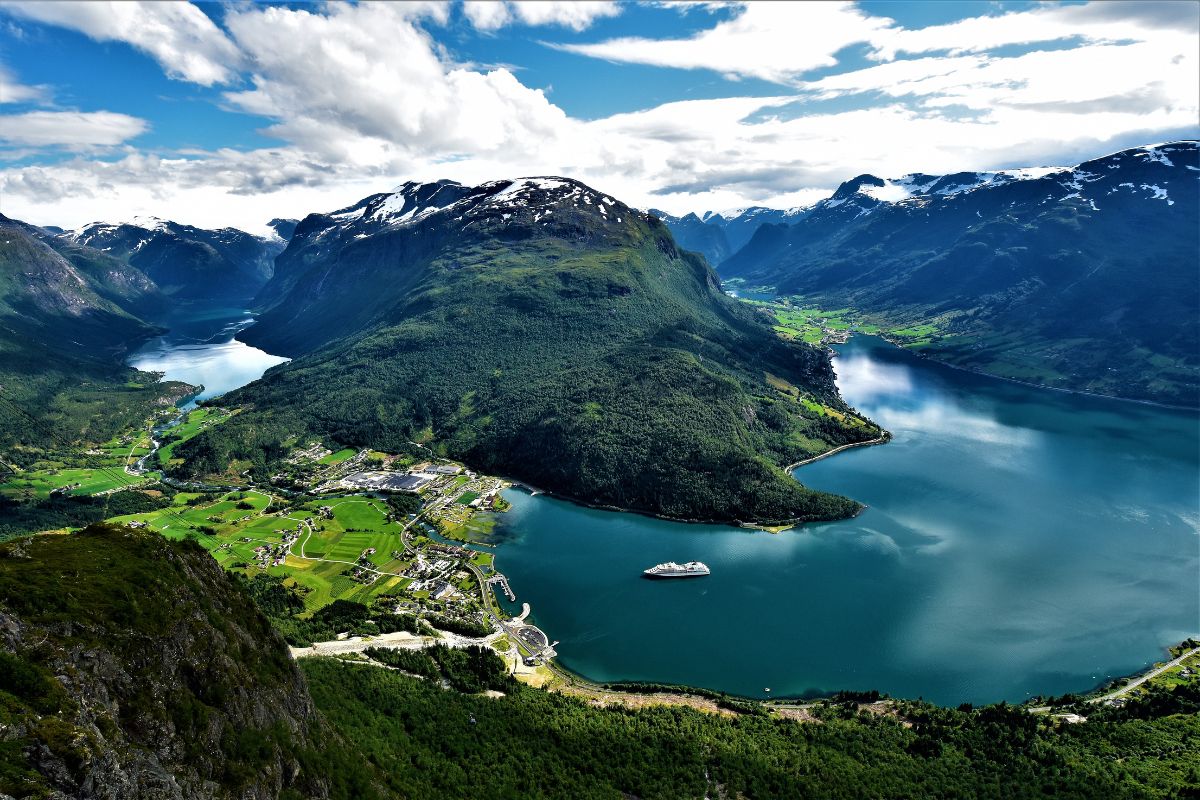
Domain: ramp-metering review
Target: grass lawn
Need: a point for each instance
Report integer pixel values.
(41, 482)
(338, 457)
(466, 498)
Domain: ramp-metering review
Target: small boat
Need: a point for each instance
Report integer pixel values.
(692, 569)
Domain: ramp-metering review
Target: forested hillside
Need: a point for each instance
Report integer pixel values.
(1079, 278)
(68, 317)
(542, 330)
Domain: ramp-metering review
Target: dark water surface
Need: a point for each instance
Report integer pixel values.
(200, 349)
(1018, 541)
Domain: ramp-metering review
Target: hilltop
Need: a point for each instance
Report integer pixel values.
(134, 667)
(1077, 277)
(186, 262)
(543, 330)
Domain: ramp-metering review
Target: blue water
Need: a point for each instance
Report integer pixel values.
(200, 349)
(1017, 542)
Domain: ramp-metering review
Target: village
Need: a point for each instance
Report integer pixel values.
(397, 534)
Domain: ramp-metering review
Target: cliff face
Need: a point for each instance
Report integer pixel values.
(133, 667)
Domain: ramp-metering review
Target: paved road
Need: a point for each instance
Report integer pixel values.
(1138, 681)
(400, 639)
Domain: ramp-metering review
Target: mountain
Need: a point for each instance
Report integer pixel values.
(187, 262)
(68, 317)
(540, 329)
(134, 667)
(696, 235)
(717, 236)
(284, 228)
(1080, 277)
(740, 225)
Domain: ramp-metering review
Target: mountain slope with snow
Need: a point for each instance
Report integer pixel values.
(186, 262)
(1080, 277)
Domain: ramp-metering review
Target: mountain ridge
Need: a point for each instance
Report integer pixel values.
(541, 329)
(186, 262)
(1080, 278)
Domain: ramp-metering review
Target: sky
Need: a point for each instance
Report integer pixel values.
(234, 113)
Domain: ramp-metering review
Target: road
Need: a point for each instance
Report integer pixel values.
(1138, 681)
(400, 639)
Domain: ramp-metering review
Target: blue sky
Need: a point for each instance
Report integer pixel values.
(235, 113)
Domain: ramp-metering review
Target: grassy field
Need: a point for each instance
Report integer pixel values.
(102, 468)
(39, 483)
(797, 319)
(338, 457)
(357, 524)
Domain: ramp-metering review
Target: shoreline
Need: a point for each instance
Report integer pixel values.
(1094, 695)
(887, 437)
(768, 527)
(1032, 385)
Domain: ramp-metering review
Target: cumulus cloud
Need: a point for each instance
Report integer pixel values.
(490, 15)
(366, 82)
(364, 96)
(487, 15)
(187, 44)
(774, 41)
(74, 130)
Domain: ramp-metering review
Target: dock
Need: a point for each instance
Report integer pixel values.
(503, 583)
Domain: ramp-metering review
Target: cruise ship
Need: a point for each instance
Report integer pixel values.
(692, 569)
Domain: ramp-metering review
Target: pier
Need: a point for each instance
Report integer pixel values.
(503, 583)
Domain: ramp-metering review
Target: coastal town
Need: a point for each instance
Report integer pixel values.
(403, 535)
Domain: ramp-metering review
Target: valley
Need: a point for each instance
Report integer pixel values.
(607, 400)
(1075, 277)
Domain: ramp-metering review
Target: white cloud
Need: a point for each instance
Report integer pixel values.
(1134, 77)
(74, 130)
(490, 15)
(487, 15)
(365, 82)
(365, 97)
(13, 91)
(178, 35)
(1094, 22)
(774, 41)
(575, 14)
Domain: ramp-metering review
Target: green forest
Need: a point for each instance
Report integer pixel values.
(610, 369)
(431, 742)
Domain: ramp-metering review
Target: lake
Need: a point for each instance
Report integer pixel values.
(200, 349)
(1017, 542)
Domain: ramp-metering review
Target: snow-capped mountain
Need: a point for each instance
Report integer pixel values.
(1088, 271)
(693, 233)
(185, 261)
(397, 232)
(1144, 172)
(542, 329)
(718, 235)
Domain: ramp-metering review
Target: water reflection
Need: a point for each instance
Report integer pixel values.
(200, 349)
(1017, 542)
